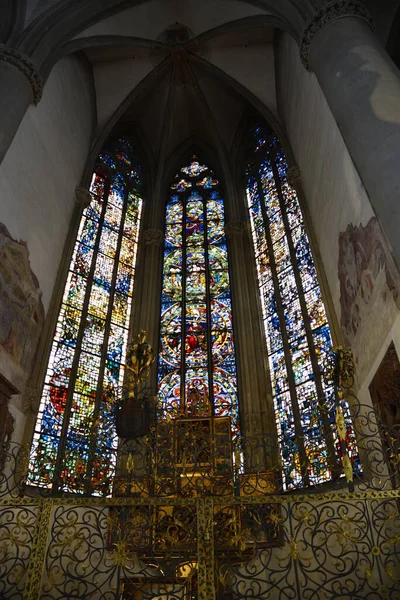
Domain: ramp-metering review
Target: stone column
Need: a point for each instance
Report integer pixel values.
(362, 87)
(20, 85)
(146, 314)
(256, 406)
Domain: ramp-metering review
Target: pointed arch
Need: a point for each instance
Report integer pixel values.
(114, 126)
(43, 37)
(197, 365)
(182, 155)
(295, 322)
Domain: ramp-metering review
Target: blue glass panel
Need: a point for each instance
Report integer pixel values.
(91, 334)
(196, 280)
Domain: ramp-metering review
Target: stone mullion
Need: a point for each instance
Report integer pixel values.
(307, 327)
(103, 359)
(149, 285)
(184, 199)
(285, 341)
(249, 400)
(206, 247)
(255, 395)
(78, 347)
(146, 310)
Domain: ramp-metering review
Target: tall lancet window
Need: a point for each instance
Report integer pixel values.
(295, 322)
(196, 370)
(74, 441)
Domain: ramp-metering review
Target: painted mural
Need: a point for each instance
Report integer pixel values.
(21, 309)
(369, 290)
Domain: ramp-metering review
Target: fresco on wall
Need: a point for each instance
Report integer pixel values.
(369, 290)
(21, 308)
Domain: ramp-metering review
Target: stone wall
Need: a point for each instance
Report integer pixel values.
(38, 178)
(362, 277)
(43, 166)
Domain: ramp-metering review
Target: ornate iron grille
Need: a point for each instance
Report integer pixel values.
(235, 534)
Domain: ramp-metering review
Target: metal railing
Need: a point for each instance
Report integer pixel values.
(189, 515)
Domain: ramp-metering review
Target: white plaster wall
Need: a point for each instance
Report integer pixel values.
(253, 66)
(334, 191)
(43, 166)
(114, 81)
(147, 20)
(38, 178)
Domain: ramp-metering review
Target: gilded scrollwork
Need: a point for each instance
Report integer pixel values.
(37, 562)
(331, 540)
(187, 517)
(17, 534)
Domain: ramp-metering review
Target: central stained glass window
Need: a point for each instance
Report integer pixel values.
(197, 367)
(74, 443)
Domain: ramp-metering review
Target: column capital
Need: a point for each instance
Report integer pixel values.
(83, 197)
(234, 229)
(332, 11)
(31, 400)
(25, 65)
(153, 237)
(293, 175)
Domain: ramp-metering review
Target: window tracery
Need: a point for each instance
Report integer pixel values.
(295, 322)
(197, 368)
(74, 441)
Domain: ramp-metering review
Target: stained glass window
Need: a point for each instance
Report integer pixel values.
(295, 322)
(74, 440)
(196, 369)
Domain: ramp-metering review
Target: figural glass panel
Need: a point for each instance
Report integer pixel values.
(197, 367)
(74, 443)
(295, 322)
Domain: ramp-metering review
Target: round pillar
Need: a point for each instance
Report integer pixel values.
(362, 87)
(20, 85)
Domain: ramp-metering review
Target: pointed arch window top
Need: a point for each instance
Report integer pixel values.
(86, 363)
(197, 353)
(181, 185)
(207, 183)
(194, 168)
(295, 322)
